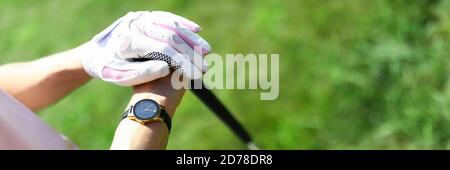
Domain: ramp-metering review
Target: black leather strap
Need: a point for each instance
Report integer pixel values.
(125, 113)
(166, 119)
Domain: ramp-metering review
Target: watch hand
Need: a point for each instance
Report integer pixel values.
(148, 108)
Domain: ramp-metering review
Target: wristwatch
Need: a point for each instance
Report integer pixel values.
(146, 111)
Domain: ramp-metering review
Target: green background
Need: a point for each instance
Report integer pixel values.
(354, 74)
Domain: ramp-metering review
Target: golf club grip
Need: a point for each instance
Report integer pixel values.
(158, 56)
(207, 97)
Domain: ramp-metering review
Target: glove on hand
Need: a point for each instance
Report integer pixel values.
(137, 34)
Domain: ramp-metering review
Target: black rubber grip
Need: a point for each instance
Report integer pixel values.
(158, 56)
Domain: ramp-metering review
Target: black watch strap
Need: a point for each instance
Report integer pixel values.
(126, 112)
(164, 115)
(166, 118)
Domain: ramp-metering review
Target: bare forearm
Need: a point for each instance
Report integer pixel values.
(133, 135)
(42, 82)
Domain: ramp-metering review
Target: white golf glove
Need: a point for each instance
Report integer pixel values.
(138, 34)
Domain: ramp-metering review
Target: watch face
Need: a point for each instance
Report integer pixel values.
(146, 109)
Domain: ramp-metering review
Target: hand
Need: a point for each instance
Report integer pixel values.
(137, 34)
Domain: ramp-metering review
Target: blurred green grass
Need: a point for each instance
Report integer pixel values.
(354, 74)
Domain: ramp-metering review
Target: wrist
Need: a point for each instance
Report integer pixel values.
(161, 100)
(66, 63)
(161, 91)
(84, 53)
(166, 98)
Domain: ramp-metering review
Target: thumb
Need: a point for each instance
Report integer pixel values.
(126, 73)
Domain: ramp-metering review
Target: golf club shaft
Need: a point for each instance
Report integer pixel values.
(214, 104)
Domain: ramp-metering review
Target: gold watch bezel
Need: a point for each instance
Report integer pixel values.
(157, 118)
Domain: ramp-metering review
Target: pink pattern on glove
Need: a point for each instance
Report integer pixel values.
(192, 44)
(115, 74)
